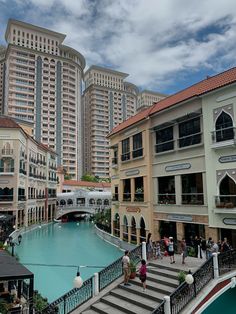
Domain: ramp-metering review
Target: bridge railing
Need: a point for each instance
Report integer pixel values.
(227, 261)
(71, 300)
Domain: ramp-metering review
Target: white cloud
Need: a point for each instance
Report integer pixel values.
(151, 40)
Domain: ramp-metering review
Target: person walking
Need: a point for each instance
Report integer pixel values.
(149, 246)
(183, 250)
(225, 245)
(143, 274)
(125, 265)
(171, 250)
(158, 250)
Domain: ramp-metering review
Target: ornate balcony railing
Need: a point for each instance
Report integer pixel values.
(71, 300)
(193, 198)
(227, 261)
(167, 198)
(224, 134)
(225, 201)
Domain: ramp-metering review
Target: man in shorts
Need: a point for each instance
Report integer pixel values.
(125, 265)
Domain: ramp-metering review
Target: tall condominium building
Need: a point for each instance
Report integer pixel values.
(43, 85)
(107, 101)
(147, 98)
(2, 68)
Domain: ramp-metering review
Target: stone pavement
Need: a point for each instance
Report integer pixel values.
(161, 280)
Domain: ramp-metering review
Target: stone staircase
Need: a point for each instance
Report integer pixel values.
(161, 280)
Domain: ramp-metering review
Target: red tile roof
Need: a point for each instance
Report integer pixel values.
(198, 89)
(8, 123)
(87, 184)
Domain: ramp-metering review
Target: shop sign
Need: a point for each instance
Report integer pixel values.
(178, 167)
(132, 172)
(230, 158)
(229, 221)
(177, 217)
(133, 209)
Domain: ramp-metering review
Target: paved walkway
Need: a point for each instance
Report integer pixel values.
(191, 263)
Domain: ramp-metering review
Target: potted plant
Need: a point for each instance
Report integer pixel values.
(1, 245)
(181, 276)
(132, 270)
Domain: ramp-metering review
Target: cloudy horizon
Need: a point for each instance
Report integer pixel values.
(163, 45)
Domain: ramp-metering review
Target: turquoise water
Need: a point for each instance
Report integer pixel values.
(66, 244)
(226, 303)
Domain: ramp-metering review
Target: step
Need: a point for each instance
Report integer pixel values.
(132, 297)
(90, 312)
(156, 286)
(160, 266)
(168, 273)
(163, 280)
(155, 296)
(123, 305)
(104, 308)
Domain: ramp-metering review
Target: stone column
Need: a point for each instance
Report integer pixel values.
(121, 231)
(204, 188)
(132, 183)
(178, 190)
(180, 230)
(138, 235)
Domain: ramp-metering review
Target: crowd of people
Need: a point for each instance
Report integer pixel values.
(201, 248)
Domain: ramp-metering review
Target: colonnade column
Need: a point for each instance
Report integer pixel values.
(138, 235)
(129, 234)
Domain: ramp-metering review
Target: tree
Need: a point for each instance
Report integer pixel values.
(88, 177)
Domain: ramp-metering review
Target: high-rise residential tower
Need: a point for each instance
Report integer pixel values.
(2, 70)
(147, 98)
(107, 101)
(43, 85)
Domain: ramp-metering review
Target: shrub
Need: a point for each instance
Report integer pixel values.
(181, 276)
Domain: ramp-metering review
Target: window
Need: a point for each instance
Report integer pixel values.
(192, 189)
(125, 150)
(166, 190)
(227, 197)
(189, 132)
(164, 140)
(139, 189)
(127, 190)
(137, 145)
(224, 128)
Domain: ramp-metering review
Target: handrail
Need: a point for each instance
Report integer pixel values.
(160, 309)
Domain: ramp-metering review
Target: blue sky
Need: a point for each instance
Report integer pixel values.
(164, 45)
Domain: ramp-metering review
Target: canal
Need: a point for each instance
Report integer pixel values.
(63, 244)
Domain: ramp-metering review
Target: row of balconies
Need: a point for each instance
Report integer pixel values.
(221, 201)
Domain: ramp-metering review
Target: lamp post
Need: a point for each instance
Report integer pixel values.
(189, 278)
(12, 243)
(78, 281)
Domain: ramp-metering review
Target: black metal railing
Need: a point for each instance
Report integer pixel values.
(192, 198)
(125, 157)
(185, 293)
(223, 134)
(103, 227)
(226, 261)
(167, 198)
(139, 197)
(114, 270)
(71, 300)
(127, 197)
(159, 309)
(225, 201)
(137, 153)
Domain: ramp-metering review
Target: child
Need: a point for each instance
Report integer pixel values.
(143, 274)
(158, 249)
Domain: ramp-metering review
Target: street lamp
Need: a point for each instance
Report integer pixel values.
(12, 243)
(78, 281)
(189, 278)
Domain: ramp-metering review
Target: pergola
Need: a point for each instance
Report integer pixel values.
(13, 271)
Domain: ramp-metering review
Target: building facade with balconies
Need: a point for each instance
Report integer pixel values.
(107, 101)
(42, 85)
(177, 159)
(28, 180)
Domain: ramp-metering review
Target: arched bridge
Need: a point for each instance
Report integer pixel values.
(82, 202)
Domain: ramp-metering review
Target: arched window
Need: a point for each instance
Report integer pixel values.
(227, 192)
(99, 202)
(91, 201)
(106, 202)
(116, 225)
(62, 202)
(224, 127)
(125, 229)
(142, 230)
(69, 202)
(133, 231)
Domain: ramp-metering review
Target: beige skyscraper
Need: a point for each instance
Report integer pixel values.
(2, 68)
(107, 101)
(43, 85)
(147, 98)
